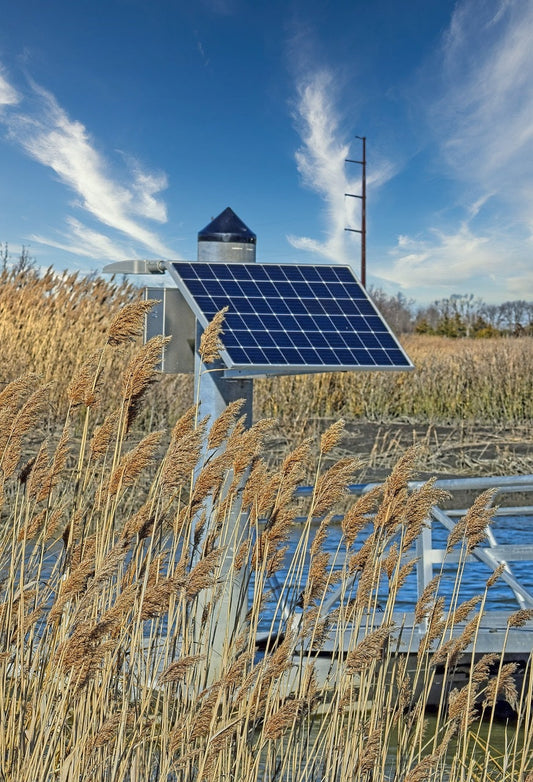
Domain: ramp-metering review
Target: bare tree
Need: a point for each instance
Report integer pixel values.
(397, 310)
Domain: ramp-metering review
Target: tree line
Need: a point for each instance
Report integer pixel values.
(459, 315)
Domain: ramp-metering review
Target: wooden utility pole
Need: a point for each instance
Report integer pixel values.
(361, 230)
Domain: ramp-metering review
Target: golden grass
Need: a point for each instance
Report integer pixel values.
(467, 380)
(128, 650)
(53, 326)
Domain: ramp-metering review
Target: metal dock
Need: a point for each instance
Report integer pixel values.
(515, 551)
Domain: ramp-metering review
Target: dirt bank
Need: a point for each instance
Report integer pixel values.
(443, 451)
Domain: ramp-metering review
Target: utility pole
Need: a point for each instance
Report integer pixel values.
(361, 230)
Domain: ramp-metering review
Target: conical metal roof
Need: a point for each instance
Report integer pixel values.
(227, 227)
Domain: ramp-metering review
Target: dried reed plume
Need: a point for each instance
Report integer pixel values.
(472, 528)
(210, 341)
(109, 729)
(27, 418)
(369, 650)
(502, 683)
(495, 575)
(177, 670)
(141, 523)
(134, 462)
(357, 517)
(391, 511)
(331, 436)
(33, 474)
(84, 652)
(12, 395)
(284, 718)
(332, 485)
(370, 751)
(83, 388)
(129, 322)
(423, 771)
(418, 505)
(220, 428)
(245, 446)
(203, 573)
(140, 372)
(426, 599)
(51, 478)
(47, 522)
(104, 435)
(519, 618)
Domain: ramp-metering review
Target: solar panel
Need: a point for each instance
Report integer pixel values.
(288, 318)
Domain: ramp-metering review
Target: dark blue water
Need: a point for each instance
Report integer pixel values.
(506, 530)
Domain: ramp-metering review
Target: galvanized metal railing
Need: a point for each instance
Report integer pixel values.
(429, 556)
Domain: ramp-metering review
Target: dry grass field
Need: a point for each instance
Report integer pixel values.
(473, 381)
(128, 545)
(468, 405)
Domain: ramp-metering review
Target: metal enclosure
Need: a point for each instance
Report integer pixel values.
(172, 317)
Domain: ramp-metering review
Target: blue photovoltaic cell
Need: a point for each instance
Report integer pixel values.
(288, 318)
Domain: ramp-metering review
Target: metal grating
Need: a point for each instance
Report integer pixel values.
(289, 319)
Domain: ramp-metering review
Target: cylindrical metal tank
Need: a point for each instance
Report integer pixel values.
(226, 239)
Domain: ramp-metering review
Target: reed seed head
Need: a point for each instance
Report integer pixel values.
(104, 435)
(283, 719)
(129, 322)
(332, 485)
(331, 436)
(496, 575)
(503, 682)
(140, 372)
(519, 618)
(357, 517)
(221, 428)
(425, 601)
(368, 651)
(134, 462)
(82, 389)
(177, 670)
(210, 341)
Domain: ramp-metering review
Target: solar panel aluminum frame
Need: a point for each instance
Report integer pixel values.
(250, 370)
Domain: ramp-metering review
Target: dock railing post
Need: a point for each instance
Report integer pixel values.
(424, 565)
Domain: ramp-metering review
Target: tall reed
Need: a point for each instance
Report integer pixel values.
(50, 323)
(114, 557)
(467, 380)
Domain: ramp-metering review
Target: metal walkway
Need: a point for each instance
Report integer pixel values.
(494, 635)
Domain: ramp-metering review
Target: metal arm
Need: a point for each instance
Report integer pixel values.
(136, 267)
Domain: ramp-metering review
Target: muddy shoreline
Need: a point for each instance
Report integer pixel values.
(444, 451)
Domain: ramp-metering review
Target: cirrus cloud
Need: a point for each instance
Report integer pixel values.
(479, 109)
(321, 162)
(43, 130)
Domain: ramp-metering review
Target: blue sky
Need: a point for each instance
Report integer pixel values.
(126, 125)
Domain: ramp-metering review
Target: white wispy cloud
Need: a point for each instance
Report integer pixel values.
(480, 113)
(321, 164)
(445, 263)
(81, 240)
(444, 259)
(8, 95)
(485, 114)
(43, 129)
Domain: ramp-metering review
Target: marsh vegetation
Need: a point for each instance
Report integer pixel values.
(119, 535)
